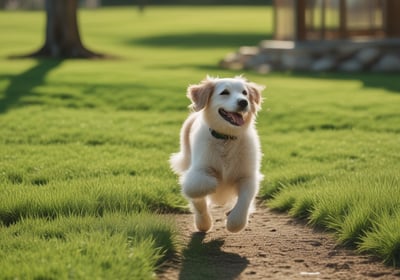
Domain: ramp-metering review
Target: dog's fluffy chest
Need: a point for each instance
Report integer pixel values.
(227, 159)
(224, 150)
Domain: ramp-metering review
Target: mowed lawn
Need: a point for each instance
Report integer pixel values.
(84, 145)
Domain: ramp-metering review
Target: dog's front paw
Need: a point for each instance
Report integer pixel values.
(197, 185)
(236, 221)
(203, 221)
(198, 192)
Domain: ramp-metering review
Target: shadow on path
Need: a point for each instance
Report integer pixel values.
(24, 83)
(207, 260)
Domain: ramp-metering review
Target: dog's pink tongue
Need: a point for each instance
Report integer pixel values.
(237, 118)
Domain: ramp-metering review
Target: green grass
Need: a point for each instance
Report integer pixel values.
(84, 144)
(331, 157)
(85, 247)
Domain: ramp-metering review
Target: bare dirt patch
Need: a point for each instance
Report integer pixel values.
(273, 246)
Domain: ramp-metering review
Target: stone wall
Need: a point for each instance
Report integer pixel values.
(345, 56)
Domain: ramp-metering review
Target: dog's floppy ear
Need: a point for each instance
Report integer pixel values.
(200, 94)
(255, 95)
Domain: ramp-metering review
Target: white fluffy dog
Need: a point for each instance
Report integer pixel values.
(219, 158)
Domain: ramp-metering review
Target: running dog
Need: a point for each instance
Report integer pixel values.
(220, 154)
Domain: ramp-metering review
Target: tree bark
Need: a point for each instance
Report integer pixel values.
(62, 32)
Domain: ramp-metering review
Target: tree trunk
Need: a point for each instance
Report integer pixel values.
(62, 32)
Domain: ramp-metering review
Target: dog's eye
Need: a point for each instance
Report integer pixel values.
(244, 92)
(225, 92)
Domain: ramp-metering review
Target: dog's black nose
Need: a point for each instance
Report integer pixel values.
(243, 103)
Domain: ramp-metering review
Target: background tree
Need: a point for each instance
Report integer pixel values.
(62, 32)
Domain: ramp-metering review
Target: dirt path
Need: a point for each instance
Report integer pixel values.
(273, 246)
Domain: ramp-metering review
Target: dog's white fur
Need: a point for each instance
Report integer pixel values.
(220, 171)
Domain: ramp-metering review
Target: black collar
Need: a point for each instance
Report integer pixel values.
(221, 136)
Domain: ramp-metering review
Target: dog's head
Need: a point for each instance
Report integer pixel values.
(229, 104)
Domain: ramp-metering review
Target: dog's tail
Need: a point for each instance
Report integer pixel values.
(180, 162)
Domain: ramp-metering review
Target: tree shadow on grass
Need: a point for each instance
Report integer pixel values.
(386, 81)
(207, 260)
(24, 83)
(201, 40)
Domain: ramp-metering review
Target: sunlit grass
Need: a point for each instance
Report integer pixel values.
(332, 158)
(383, 238)
(85, 247)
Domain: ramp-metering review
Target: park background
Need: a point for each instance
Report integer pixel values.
(85, 186)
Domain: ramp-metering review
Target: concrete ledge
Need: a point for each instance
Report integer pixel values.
(341, 55)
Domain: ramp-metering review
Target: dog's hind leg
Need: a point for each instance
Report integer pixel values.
(238, 216)
(202, 217)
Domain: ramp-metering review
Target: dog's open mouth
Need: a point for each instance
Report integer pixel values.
(233, 118)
